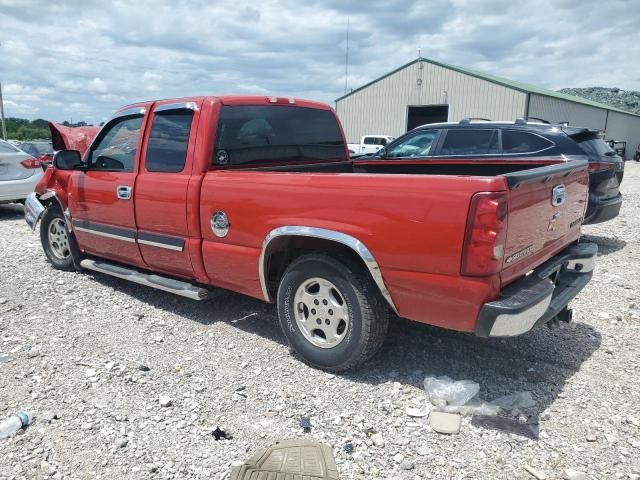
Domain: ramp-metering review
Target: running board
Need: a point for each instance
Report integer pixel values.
(167, 284)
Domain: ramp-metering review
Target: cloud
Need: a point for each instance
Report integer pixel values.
(90, 57)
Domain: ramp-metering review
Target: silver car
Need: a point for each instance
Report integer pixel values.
(19, 173)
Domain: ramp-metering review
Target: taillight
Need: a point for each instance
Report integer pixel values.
(485, 236)
(31, 163)
(597, 166)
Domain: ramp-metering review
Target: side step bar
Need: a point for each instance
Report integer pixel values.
(178, 287)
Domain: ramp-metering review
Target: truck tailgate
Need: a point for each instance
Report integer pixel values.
(546, 207)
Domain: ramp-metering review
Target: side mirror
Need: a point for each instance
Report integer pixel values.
(67, 160)
(382, 152)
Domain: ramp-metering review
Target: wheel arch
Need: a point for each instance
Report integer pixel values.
(50, 197)
(288, 241)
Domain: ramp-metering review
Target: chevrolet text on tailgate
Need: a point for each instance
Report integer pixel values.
(258, 195)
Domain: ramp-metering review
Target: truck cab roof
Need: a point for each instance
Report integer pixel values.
(236, 100)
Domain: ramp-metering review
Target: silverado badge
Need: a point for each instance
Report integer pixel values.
(518, 255)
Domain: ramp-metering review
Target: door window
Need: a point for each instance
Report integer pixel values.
(523, 142)
(470, 142)
(416, 145)
(168, 141)
(116, 148)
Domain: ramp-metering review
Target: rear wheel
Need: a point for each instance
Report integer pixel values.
(331, 312)
(58, 244)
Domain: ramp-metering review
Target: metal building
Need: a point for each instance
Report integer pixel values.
(426, 91)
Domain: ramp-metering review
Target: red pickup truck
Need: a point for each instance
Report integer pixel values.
(258, 195)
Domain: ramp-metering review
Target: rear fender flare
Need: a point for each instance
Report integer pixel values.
(303, 231)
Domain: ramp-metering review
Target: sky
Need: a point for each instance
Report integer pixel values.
(81, 60)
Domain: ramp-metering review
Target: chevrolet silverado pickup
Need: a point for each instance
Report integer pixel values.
(258, 195)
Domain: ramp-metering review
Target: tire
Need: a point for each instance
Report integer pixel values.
(58, 244)
(352, 331)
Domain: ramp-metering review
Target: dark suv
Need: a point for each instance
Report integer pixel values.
(519, 141)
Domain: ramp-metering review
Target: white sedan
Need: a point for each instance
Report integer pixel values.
(19, 173)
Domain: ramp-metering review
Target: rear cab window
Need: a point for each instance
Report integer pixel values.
(264, 135)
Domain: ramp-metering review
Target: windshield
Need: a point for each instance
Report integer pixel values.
(277, 134)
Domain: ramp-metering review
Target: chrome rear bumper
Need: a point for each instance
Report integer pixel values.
(541, 296)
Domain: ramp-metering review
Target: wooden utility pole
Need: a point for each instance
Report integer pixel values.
(4, 123)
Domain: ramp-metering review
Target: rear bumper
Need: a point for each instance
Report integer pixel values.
(540, 296)
(11, 190)
(600, 211)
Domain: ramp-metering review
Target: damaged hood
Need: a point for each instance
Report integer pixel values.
(72, 138)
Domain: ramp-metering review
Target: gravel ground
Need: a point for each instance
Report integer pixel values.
(75, 346)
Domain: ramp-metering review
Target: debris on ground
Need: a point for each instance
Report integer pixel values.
(290, 459)
(378, 440)
(10, 426)
(48, 416)
(219, 434)
(461, 397)
(165, 401)
(348, 447)
(442, 422)
(305, 424)
(535, 473)
(571, 474)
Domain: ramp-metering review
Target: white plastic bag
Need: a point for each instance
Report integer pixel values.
(444, 391)
(462, 397)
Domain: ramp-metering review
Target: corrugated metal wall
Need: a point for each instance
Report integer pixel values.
(617, 126)
(624, 128)
(555, 110)
(381, 108)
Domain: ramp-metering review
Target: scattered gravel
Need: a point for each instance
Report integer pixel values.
(129, 383)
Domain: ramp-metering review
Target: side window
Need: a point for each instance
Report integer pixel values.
(168, 141)
(116, 149)
(470, 142)
(523, 142)
(416, 145)
(370, 141)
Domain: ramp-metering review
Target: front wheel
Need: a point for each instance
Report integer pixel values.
(331, 312)
(58, 244)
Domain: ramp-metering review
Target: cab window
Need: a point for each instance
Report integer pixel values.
(168, 141)
(275, 134)
(116, 148)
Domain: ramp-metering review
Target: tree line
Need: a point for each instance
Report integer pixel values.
(38, 129)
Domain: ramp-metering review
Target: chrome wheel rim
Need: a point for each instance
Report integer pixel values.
(59, 239)
(321, 313)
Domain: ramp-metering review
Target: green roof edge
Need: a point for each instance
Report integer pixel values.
(519, 86)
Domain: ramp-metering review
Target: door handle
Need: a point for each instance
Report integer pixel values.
(124, 192)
